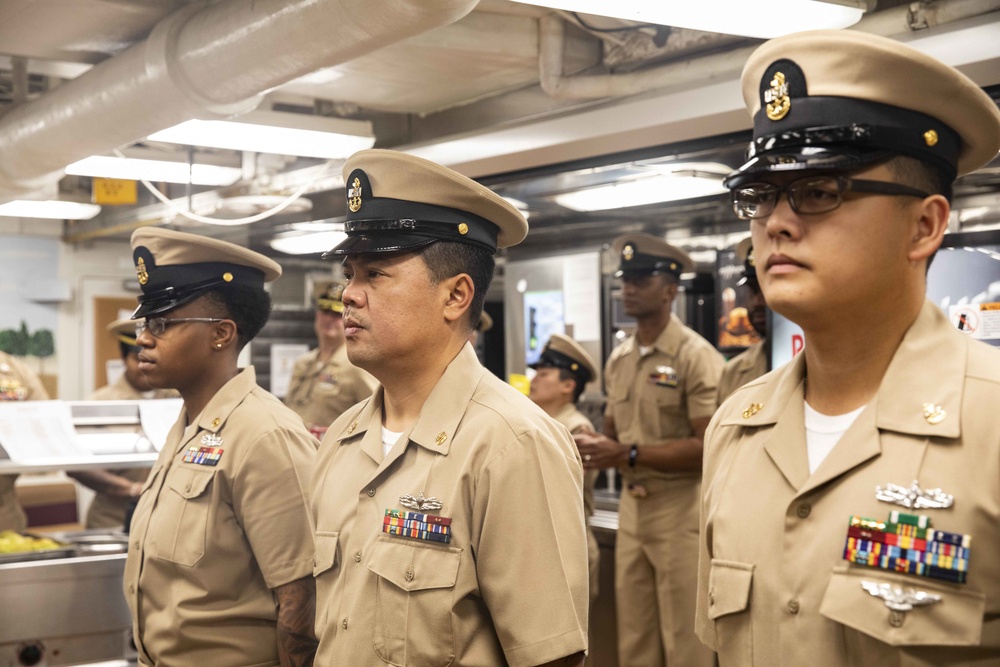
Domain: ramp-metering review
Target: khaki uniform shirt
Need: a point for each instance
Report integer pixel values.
(653, 398)
(109, 511)
(17, 383)
(774, 588)
(509, 588)
(320, 392)
(576, 422)
(209, 543)
(748, 365)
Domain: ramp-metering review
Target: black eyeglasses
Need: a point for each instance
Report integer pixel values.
(814, 194)
(157, 325)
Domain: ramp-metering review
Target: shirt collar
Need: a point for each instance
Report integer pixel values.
(668, 342)
(215, 414)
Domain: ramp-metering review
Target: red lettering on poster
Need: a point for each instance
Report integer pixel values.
(798, 342)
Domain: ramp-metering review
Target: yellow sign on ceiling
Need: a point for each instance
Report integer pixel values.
(112, 191)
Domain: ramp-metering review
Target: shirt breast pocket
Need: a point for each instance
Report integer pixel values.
(662, 413)
(729, 586)
(413, 603)
(178, 527)
(877, 635)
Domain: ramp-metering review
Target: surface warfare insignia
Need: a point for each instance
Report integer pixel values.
(354, 196)
(140, 271)
(899, 599)
(420, 503)
(664, 376)
(914, 497)
(428, 527)
(777, 99)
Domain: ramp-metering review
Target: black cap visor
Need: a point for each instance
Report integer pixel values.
(382, 242)
(819, 159)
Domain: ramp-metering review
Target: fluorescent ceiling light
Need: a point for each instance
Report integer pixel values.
(751, 18)
(51, 209)
(307, 244)
(644, 190)
(275, 132)
(155, 171)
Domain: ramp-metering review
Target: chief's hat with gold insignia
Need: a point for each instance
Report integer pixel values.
(176, 267)
(124, 332)
(844, 100)
(561, 351)
(399, 202)
(485, 323)
(744, 252)
(644, 254)
(331, 298)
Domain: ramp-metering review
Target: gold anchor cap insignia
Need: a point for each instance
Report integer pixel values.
(934, 414)
(752, 409)
(777, 99)
(420, 503)
(140, 271)
(628, 252)
(354, 196)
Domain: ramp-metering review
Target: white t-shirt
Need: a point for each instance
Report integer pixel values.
(823, 432)
(389, 438)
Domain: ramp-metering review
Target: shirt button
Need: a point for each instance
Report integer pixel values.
(131, 589)
(793, 606)
(135, 545)
(803, 510)
(896, 618)
(371, 492)
(344, 624)
(357, 557)
(711, 598)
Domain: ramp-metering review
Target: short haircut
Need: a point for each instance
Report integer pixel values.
(567, 374)
(446, 259)
(920, 175)
(249, 307)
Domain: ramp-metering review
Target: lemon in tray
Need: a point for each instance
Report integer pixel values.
(12, 542)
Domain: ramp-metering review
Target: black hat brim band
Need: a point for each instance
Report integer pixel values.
(808, 158)
(553, 359)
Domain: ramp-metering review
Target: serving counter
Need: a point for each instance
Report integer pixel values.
(65, 606)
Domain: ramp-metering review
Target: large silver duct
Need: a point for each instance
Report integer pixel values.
(205, 61)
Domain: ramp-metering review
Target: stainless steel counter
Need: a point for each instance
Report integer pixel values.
(64, 611)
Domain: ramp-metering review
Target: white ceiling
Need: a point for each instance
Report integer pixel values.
(466, 93)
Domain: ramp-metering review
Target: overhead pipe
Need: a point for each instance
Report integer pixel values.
(890, 22)
(205, 61)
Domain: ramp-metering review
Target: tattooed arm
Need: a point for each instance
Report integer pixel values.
(296, 617)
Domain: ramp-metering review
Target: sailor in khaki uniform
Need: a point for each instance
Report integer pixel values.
(661, 386)
(752, 362)
(220, 553)
(17, 383)
(851, 512)
(448, 508)
(561, 374)
(324, 382)
(116, 489)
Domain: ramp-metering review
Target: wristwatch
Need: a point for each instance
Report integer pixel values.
(633, 454)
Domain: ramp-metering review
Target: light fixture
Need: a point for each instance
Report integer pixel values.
(307, 244)
(51, 209)
(155, 171)
(276, 132)
(663, 183)
(750, 18)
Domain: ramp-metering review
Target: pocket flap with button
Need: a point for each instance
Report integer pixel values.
(325, 545)
(188, 482)
(955, 620)
(728, 587)
(415, 567)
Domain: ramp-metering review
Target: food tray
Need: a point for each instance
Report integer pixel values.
(65, 550)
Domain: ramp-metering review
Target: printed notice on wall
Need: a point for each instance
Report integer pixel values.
(582, 295)
(979, 320)
(38, 431)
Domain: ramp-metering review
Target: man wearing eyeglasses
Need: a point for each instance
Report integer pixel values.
(851, 502)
